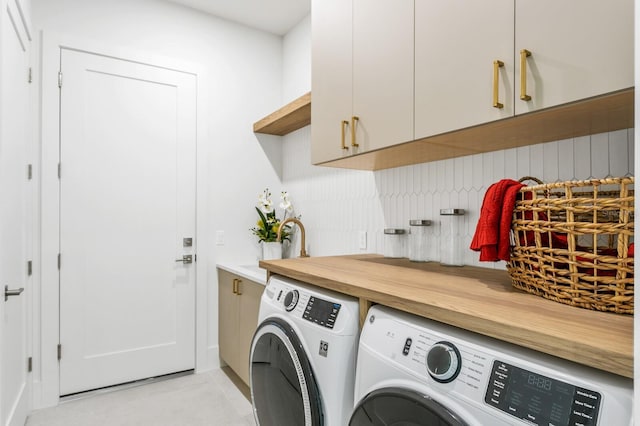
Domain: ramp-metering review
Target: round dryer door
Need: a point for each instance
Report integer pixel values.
(402, 407)
(284, 391)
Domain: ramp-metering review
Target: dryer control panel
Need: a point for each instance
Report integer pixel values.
(321, 312)
(539, 399)
(309, 306)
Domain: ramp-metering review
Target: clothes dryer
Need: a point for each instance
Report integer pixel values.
(303, 356)
(412, 371)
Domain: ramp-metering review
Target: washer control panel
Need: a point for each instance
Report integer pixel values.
(540, 399)
(321, 312)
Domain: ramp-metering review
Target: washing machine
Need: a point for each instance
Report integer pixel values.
(413, 371)
(303, 355)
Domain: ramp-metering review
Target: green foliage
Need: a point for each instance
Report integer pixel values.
(266, 228)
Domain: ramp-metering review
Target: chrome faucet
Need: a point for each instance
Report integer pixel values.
(303, 252)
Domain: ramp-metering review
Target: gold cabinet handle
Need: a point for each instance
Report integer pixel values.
(235, 286)
(524, 54)
(238, 292)
(496, 78)
(343, 126)
(354, 120)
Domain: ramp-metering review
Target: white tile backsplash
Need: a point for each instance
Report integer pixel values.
(582, 157)
(336, 204)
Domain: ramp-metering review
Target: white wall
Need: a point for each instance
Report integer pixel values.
(239, 82)
(296, 59)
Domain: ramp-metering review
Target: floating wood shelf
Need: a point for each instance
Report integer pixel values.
(291, 117)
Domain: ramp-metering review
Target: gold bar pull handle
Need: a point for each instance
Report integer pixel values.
(343, 125)
(524, 54)
(354, 120)
(235, 286)
(238, 291)
(496, 79)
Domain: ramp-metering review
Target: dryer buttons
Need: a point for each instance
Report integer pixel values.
(407, 346)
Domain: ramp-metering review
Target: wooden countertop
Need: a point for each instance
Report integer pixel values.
(476, 299)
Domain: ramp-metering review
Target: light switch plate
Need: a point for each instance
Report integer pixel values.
(219, 238)
(362, 240)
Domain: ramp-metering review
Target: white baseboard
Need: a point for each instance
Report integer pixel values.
(213, 361)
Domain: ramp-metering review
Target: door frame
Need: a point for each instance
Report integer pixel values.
(46, 372)
(19, 19)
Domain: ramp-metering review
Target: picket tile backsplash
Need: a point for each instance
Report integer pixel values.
(338, 204)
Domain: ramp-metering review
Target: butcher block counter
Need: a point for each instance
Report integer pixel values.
(476, 299)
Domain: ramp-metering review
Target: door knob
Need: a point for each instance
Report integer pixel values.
(8, 292)
(187, 258)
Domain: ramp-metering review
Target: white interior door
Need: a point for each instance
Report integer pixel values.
(128, 137)
(14, 216)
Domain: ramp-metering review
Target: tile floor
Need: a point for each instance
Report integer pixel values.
(210, 399)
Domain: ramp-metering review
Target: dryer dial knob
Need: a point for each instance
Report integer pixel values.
(444, 362)
(291, 300)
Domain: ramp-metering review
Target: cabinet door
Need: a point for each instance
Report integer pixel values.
(228, 319)
(456, 45)
(250, 294)
(383, 44)
(579, 49)
(331, 24)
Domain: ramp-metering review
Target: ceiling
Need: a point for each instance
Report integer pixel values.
(274, 16)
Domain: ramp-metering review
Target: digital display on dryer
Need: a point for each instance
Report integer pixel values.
(539, 399)
(321, 312)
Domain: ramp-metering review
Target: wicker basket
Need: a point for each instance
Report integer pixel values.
(573, 243)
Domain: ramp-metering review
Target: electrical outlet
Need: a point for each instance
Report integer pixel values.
(219, 238)
(362, 240)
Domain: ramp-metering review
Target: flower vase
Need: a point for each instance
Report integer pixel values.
(271, 250)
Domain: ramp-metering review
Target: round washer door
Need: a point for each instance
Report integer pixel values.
(402, 407)
(284, 391)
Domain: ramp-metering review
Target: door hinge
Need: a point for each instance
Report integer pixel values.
(29, 364)
(29, 171)
(59, 170)
(59, 261)
(30, 78)
(60, 79)
(29, 267)
(59, 351)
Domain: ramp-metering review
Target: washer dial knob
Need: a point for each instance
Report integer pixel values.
(291, 300)
(443, 362)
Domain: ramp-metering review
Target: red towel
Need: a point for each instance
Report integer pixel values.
(492, 233)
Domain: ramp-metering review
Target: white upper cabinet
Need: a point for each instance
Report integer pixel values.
(579, 49)
(469, 57)
(389, 72)
(457, 73)
(332, 60)
(383, 43)
(362, 76)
